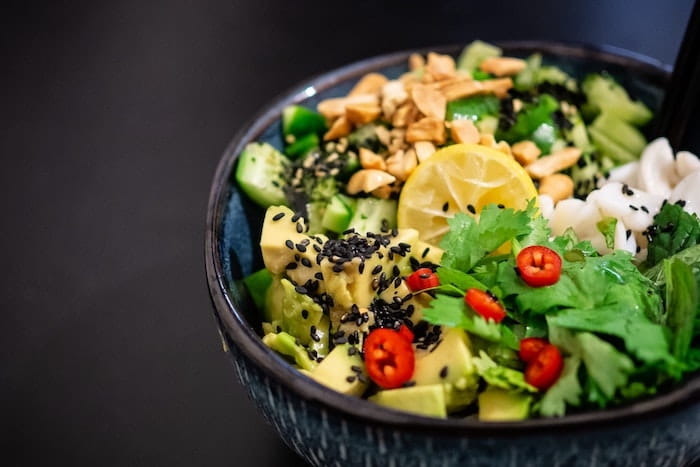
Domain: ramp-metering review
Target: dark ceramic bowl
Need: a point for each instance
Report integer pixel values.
(328, 428)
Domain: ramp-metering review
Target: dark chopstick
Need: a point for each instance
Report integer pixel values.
(683, 89)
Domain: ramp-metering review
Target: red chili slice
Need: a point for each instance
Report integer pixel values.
(389, 357)
(485, 304)
(545, 369)
(530, 347)
(539, 266)
(423, 278)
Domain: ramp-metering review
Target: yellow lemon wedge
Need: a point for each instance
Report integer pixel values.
(460, 178)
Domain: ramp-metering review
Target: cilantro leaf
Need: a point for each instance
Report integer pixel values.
(567, 390)
(681, 305)
(500, 376)
(453, 312)
(469, 241)
(607, 227)
(606, 366)
(459, 279)
(673, 230)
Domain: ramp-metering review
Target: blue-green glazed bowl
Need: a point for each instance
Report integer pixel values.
(330, 429)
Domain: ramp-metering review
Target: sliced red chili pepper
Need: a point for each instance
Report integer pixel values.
(485, 304)
(406, 333)
(423, 278)
(539, 266)
(530, 347)
(544, 370)
(389, 357)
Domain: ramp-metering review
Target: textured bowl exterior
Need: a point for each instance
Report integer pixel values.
(328, 429)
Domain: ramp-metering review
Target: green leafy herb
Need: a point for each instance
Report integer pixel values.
(468, 242)
(681, 305)
(607, 228)
(674, 230)
(501, 376)
(567, 389)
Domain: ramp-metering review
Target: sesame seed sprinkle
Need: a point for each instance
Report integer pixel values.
(445, 206)
(278, 216)
(300, 228)
(289, 244)
(471, 208)
(443, 372)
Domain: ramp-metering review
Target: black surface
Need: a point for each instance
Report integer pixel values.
(113, 119)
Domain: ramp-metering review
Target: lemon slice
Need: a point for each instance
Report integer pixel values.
(460, 178)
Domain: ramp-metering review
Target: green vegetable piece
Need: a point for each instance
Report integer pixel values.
(681, 305)
(608, 367)
(365, 137)
(501, 376)
(467, 242)
(300, 121)
(607, 227)
(566, 390)
(473, 108)
(338, 213)
(690, 256)
(261, 173)
(257, 284)
(424, 400)
(475, 53)
(620, 132)
(604, 94)
(286, 345)
(534, 122)
(500, 405)
(373, 214)
(527, 79)
(479, 75)
(315, 212)
(674, 230)
(610, 148)
(302, 145)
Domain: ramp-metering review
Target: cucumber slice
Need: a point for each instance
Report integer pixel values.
(527, 78)
(604, 94)
(338, 214)
(302, 145)
(373, 215)
(261, 174)
(257, 285)
(475, 53)
(315, 212)
(300, 121)
(610, 148)
(620, 132)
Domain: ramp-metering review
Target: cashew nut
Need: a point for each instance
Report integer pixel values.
(368, 180)
(555, 162)
(557, 186)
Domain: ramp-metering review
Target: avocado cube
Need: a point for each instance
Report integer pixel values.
(424, 400)
(501, 405)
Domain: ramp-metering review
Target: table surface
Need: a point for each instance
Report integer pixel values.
(114, 117)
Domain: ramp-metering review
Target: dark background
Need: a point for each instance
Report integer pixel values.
(113, 116)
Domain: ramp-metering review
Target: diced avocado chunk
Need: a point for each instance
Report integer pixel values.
(424, 400)
(605, 94)
(373, 215)
(261, 174)
(450, 365)
(257, 285)
(286, 345)
(501, 405)
(278, 231)
(341, 369)
(300, 121)
(475, 53)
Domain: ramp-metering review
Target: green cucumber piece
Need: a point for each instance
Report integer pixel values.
(257, 284)
(373, 214)
(303, 145)
(472, 108)
(610, 148)
(300, 121)
(475, 53)
(527, 78)
(620, 132)
(315, 212)
(605, 94)
(261, 174)
(338, 214)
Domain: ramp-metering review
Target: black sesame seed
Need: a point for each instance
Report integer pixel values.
(409, 384)
(395, 232)
(397, 283)
(361, 268)
(349, 231)
(306, 262)
(338, 267)
(396, 271)
(644, 208)
(443, 372)
(301, 248)
(291, 265)
(471, 208)
(289, 244)
(680, 203)
(445, 206)
(356, 369)
(633, 207)
(625, 189)
(305, 314)
(350, 379)
(628, 232)
(318, 276)
(296, 217)
(638, 249)
(278, 216)
(501, 206)
(341, 340)
(363, 379)
(425, 252)
(301, 290)
(377, 269)
(352, 351)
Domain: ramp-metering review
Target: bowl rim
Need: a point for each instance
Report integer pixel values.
(237, 331)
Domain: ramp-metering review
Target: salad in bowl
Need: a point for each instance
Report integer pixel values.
(482, 237)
